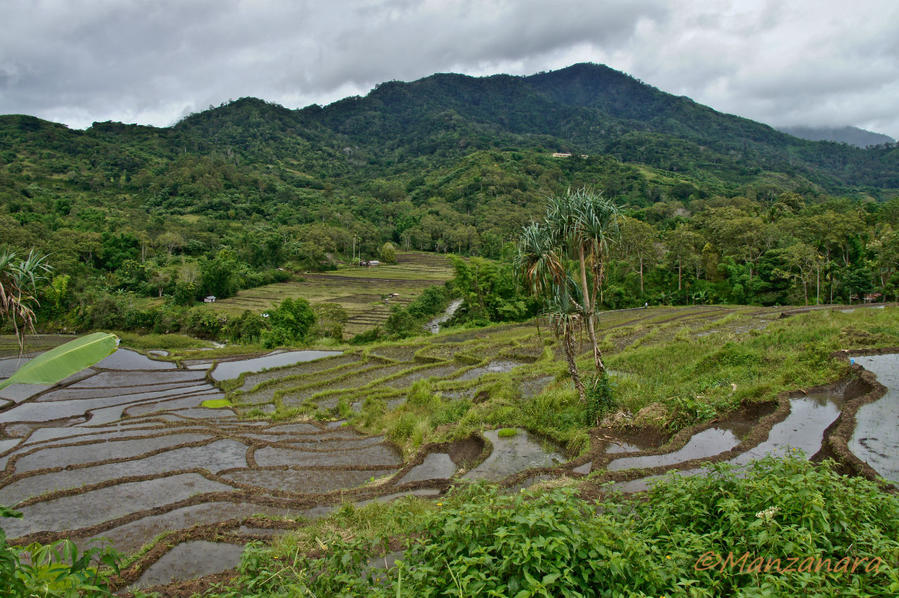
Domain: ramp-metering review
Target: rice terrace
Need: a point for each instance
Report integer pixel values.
(384, 330)
(131, 450)
(366, 293)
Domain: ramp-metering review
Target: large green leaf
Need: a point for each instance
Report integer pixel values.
(65, 360)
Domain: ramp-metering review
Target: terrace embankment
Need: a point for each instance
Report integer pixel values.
(126, 451)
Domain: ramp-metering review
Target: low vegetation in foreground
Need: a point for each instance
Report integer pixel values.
(782, 525)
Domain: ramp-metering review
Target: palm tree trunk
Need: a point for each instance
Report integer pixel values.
(588, 307)
(568, 347)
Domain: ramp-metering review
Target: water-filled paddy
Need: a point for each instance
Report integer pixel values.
(141, 418)
(876, 436)
(226, 370)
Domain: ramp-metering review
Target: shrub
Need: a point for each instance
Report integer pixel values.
(290, 322)
(600, 399)
(387, 253)
(54, 569)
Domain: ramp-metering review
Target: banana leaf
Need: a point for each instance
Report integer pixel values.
(65, 360)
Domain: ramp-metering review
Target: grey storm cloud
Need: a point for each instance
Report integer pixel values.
(810, 62)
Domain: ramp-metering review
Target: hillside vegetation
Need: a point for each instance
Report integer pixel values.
(143, 220)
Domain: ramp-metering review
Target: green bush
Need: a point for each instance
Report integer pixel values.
(600, 399)
(483, 542)
(54, 570)
(290, 322)
(776, 509)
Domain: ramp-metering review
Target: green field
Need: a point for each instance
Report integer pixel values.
(365, 293)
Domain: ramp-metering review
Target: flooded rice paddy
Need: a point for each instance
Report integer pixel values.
(126, 452)
(876, 436)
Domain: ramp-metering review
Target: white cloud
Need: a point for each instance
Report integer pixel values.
(806, 62)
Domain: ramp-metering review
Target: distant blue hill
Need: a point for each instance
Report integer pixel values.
(851, 135)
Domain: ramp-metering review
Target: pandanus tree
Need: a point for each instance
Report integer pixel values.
(562, 260)
(18, 279)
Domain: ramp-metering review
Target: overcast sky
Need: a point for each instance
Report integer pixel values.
(814, 62)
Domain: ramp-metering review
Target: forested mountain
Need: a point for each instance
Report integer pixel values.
(851, 135)
(445, 163)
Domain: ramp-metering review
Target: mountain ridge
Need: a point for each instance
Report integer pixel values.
(584, 109)
(850, 135)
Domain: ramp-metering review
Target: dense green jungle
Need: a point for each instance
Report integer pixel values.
(141, 223)
(499, 394)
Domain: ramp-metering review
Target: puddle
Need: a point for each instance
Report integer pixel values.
(126, 359)
(622, 447)
(6, 444)
(306, 481)
(91, 508)
(17, 393)
(190, 560)
(876, 436)
(216, 456)
(135, 393)
(298, 428)
(706, 443)
(56, 410)
(10, 365)
(511, 455)
(436, 466)
(434, 325)
(493, 367)
(421, 492)
(100, 451)
(802, 429)
(129, 538)
(22, 429)
(226, 370)
(120, 378)
(583, 469)
(379, 454)
(194, 397)
(47, 437)
(205, 413)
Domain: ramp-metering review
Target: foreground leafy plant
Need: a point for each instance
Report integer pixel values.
(64, 360)
(54, 570)
(480, 542)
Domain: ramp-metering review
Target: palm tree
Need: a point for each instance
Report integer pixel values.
(571, 241)
(595, 224)
(566, 318)
(18, 280)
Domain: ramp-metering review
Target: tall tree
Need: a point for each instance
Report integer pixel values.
(638, 243)
(563, 261)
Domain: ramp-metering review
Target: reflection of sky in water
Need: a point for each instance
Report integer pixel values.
(876, 436)
(232, 369)
(802, 429)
